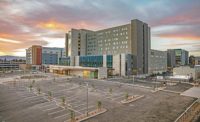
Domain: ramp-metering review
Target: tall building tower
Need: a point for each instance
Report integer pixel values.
(132, 38)
(76, 42)
(140, 45)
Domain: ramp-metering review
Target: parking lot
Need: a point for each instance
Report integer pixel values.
(20, 102)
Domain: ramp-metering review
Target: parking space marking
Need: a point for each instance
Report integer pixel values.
(68, 89)
(51, 104)
(85, 108)
(31, 97)
(48, 102)
(79, 105)
(72, 99)
(73, 103)
(61, 116)
(71, 96)
(56, 112)
(117, 97)
(51, 108)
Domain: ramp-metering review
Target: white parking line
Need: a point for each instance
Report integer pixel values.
(44, 103)
(51, 108)
(79, 105)
(31, 97)
(51, 104)
(40, 100)
(61, 116)
(56, 112)
(114, 96)
(85, 108)
(72, 99)
(72, 96)
(117, 97)
(68, 89)
(76, 102)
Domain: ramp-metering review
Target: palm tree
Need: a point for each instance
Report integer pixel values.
(63, 100)
(99, 105)
(72, 114)
(126, 96)
(50, 95)
(39, 90)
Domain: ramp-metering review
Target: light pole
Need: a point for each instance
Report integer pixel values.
(129, 70)
(87, 99)
(156, 83)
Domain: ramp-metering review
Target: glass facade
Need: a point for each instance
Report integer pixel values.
(109, 61)
(181, 57)
(91, 61)
(49, 58)
(64, 61)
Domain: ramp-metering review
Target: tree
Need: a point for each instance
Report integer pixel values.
(30, 86)
(39, 90)
(110, 90)
(50, 95)
(126, 96)
(33, 82)
(72, 114)
(99, 105)
(54, 79)
(14, 83)
(93, 86)
(63, 100)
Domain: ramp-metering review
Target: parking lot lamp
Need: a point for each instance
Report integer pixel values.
(87, 99)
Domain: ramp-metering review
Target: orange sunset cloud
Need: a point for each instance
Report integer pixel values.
(181, 37)
(52, 25)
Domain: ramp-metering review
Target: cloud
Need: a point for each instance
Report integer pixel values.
(52, 25)
(29, 22)
(9, 41)
(178, 32)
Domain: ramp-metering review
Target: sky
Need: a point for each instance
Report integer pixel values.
(174, 23)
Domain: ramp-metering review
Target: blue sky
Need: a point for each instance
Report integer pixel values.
(174, 23)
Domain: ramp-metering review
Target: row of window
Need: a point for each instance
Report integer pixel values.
(94, 61)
